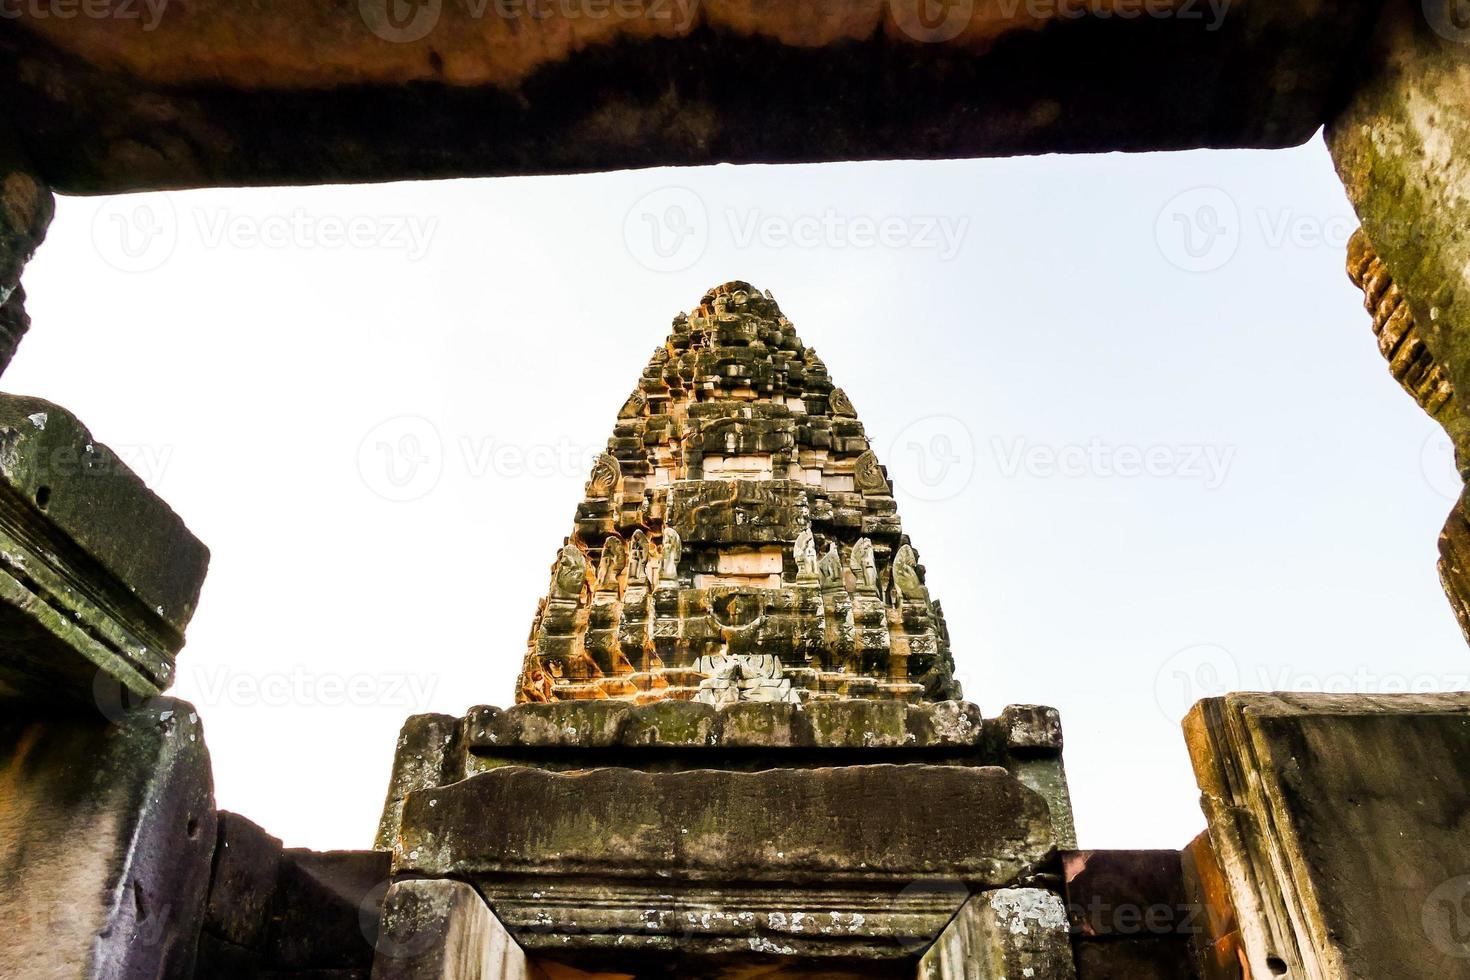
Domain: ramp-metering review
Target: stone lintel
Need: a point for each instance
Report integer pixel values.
(862, 861)
(1008, 933)
(106, 838)
(1339, 823)
(294, 92)
(435, 750)
(97, 574)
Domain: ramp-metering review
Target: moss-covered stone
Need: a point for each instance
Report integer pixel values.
(97, 574)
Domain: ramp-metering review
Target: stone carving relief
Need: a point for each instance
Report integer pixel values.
(906, 581)
(805, 552)
(673, 550)
(868, 474)
(864, 566)
(569, 574)
(605, 476)
(830, 569)
(610, 566)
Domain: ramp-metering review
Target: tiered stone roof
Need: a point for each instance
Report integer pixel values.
(739, 539)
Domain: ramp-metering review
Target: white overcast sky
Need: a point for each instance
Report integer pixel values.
(1144, 441)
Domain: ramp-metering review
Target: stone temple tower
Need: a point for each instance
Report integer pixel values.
(739, 539)
(738, 747)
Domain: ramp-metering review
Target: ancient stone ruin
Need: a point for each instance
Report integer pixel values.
(739, 540)
(738, 750)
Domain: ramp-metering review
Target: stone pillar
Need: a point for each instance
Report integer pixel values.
(1339, 824)
(1000, 935)
(26, 206)
(443, 930)
(106, 837)
(1402, 147)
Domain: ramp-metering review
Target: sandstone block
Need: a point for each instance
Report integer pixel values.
(1339, 821)
(247, 865)
(1127, 895)
(826, 862)
(1135, 959)
(1013, 932)
(97, 574)
(106, 836)
(442, 930)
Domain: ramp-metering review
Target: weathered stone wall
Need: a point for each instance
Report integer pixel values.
(286, 913)
(1400, 145)
(106, 837)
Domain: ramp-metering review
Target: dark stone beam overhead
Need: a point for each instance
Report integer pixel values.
(297, 92)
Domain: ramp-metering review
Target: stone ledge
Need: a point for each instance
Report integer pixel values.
(827, 725)
(856, 861)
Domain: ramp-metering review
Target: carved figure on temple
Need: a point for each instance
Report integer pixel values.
(605, 476)
(638, 558)
(569, 573)
(673, 550)
(906, 581)
(830, 568)
(805, 553)
(634, 406)
(864, 566)
(868, 474)
(840, 404)
(610, 566)
(536, 685)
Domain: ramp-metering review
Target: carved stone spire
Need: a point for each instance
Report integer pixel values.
(733, 466)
